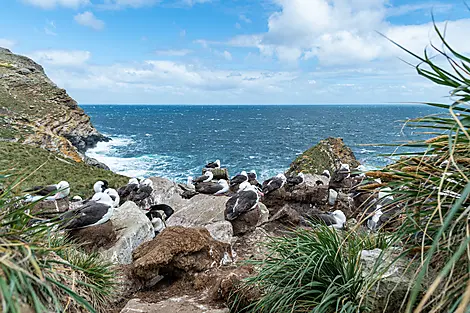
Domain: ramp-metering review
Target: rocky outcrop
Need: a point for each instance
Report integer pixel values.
(180, 250)
(394, 279)
(35, 111)
(203, 211)
(326, 155)
(118, 238)
(172, 305)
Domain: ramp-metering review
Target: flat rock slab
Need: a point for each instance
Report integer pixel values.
(172, 305)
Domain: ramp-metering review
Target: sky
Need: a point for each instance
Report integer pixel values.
(233, 52)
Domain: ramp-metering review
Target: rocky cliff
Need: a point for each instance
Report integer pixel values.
(33, 110)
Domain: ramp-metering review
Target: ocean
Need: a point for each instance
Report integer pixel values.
(175, 141)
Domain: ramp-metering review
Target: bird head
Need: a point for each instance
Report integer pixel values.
(146, 183)
(244, 173)
(101, 197)
(133, 181)
(63, 185)
(99, 186)
(339, 216)
(243, 186)
(222, 182)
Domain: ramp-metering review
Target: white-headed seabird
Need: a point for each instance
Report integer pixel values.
(336, 219)
(207, 177)
(113, 194)
(238, 179)
(274, 183)
(326, 173)
(374, 222)
(144, 191)
(94, 212)
(158, 214)
(246, 199)
(100, 186)
(211, 188)
(215, 164)
(296, 180)
(342, 173)
(55, 192)
(131, 187)
(253, 179)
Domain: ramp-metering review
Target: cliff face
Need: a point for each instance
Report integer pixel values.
(33, 110)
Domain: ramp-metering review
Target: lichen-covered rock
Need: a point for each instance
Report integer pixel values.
(326, 155)
(199, 211)
(118, 238)
(40, 113)
(219, 173)
(178, 250)
(183, 304)
(221, 231)
(166, 192)
(393, 281)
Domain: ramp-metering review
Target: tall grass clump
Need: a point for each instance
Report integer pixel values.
(39, 271)
(433, 186)
(317, 270)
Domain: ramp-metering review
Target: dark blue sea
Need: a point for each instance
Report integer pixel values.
(175, 141)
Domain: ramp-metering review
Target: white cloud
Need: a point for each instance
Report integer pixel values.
(51, 4)
(177, 53)
(227, 55)
(88, 19)
(7, 43)
(339, 32)
(183, 33)
(245, 19)
(61, 58)
(238, 26)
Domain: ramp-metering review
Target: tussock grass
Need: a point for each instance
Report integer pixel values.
(40, 272)
(316, 270)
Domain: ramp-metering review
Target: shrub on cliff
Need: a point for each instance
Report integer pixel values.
(39, 271)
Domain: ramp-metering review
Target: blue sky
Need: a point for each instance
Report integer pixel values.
(224, 52)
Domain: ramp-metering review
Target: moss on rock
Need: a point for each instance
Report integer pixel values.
(326, 155)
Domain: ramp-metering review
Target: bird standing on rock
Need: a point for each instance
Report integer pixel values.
(207, 177)
(238, 179)
(94, 212)
(336, 219)
(215, 164)
(296, 180)
(211, 188)
(125, 191)
(342, 173)
(274, 183)
(61, 190)
(246, 199)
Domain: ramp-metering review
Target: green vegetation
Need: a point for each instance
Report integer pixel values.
(434, 188)
(42, 167)
(42, 273)
(315, 270)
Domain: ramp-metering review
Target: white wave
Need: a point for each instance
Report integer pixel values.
(110, 146)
